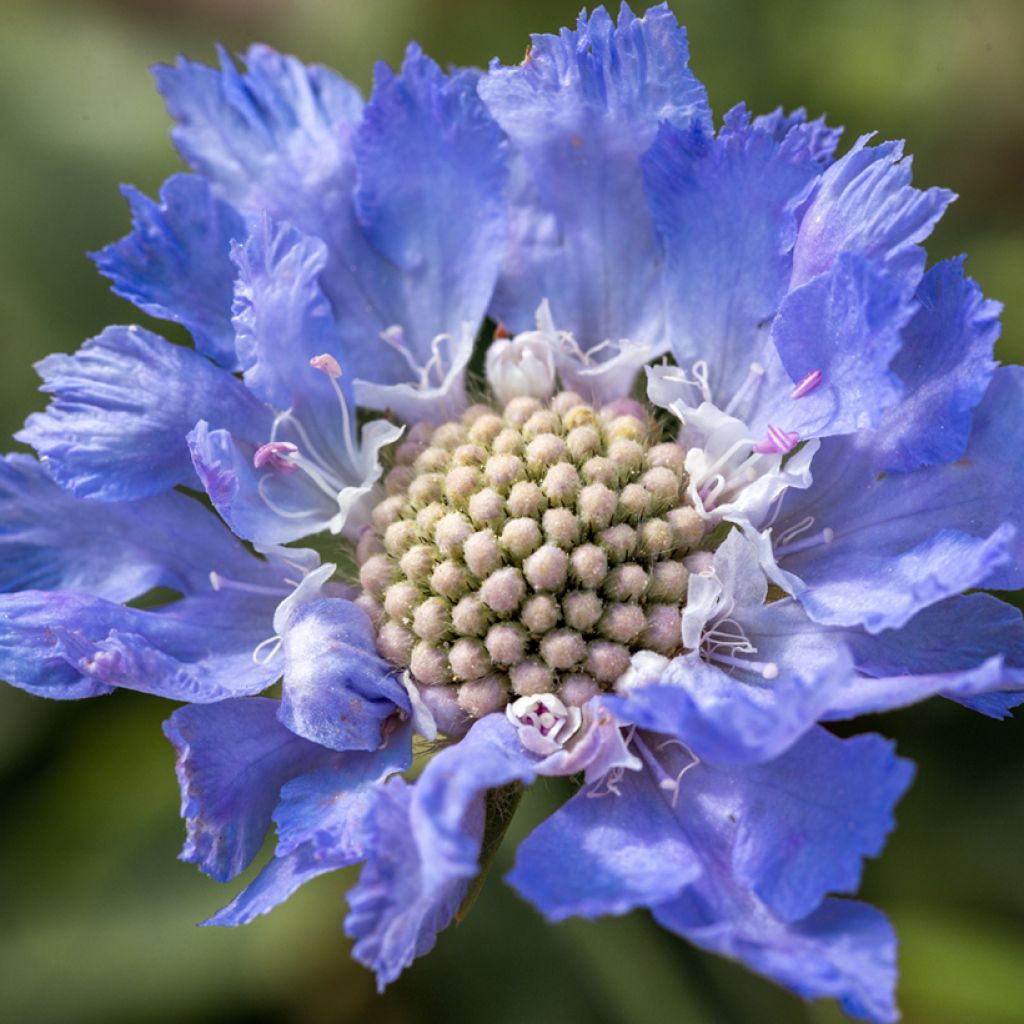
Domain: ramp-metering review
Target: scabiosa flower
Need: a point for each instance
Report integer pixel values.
(736, 459)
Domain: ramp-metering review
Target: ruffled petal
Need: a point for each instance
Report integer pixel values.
(269, 506)
(805, 821)
(440, 399)
(846, 325)
(394, 916)
(273, 138)
(845, 950)
(580, 111)
(319, 822)
(725, 721)
(282, 321)
(337, 692)
(818, 139)
(773, 839)
(67, 645)
(747, 706)
(176, 262)
(969, 648)
(430, 200)
(725, 210)
(605, 853)
(233, 759)
(296, 143)
(945, 366)
(50, 540)
(287, 340)
(122, 408)
(865, 203)
(423, 844)
(887, 545)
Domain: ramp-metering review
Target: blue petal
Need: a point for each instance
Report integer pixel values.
(725, 210)
(865, 203)
(394, 916)
(818, 139)
(845, 323)
(326, 807)
(580, 111)
(725, 718)
(967, 648)
(281, 139)
(945, 366)
(67, 645)
(122, 407)
(283, 320)
(233, 759)
(903, 541)
(773, 839)
(271, 139)
(175, 264)
(224, 465)
(625, 847)
(423, 845)
(806, 820)
(319, 821)
(52, 541)
(992, 705)
(337, 692)
(845, 950)
(430, 199)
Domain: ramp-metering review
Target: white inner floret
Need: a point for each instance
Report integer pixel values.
(529, 550)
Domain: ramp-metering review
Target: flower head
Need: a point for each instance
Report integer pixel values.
(737, 460)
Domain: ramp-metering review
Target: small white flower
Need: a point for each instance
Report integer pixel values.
(525, 364)
(544, 722)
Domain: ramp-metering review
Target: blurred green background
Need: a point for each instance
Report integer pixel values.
(97, 915)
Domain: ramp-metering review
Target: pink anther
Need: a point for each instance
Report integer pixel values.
(275, 454)
(806, 385)
(777, 442)
(327, 364)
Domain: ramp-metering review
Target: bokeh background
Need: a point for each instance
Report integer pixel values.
(97, 918)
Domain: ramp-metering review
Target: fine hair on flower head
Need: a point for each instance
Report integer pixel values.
(535, 425)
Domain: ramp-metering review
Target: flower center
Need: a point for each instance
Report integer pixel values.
(529, 550)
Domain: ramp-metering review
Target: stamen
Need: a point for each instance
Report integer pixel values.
(775, 509)
(666, 783)
(735, 642)
(826, 537)
(699, 381)
(608, 785)
(766, 669)
(724, 458)
(277, 509)
(709, 493)
(329, 365)
(794, 531)
(777, 442)
(806, 385)
(275, 454)
(326, 364)
(272, 645)
(287, 418)
(394, 336)
(219, 582)
(754, 377)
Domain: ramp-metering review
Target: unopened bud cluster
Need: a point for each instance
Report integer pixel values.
(529, 551)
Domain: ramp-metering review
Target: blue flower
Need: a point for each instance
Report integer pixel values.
(738, 459)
